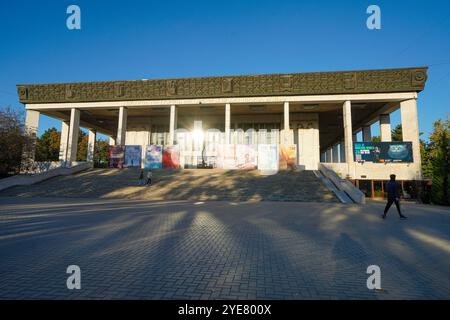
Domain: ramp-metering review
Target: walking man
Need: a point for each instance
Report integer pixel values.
(149, 177)
(141, 178)
(393, 193)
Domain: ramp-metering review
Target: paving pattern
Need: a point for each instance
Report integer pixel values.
(183, 185)
(130, 249)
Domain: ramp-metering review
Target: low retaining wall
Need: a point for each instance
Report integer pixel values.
(21, 180)
(343, 184)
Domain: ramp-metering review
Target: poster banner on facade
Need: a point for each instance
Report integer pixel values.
(153, 157)
(287, 156)
(226, 158)
(116, 156)
(171, 157)
(268, 158)
(380, 152)
(133, 155)
(246, 157)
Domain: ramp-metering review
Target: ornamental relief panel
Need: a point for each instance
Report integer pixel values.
(392, 80)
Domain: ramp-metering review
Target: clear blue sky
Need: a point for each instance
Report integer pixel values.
(157, 39)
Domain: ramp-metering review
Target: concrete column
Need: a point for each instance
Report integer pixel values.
(385, 128)
(112, 141)
(64, 140)
(173, 124)
(91, 146)
(342, 151)
(227, 122)
(367, 134)
(328, 158)
(348, 132)
(410, 131)
(335, 153)
(72, 144)
(122, 126)
(286, 117)
(31, 130)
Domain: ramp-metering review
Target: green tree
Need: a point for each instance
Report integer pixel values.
(439, 161)
(397, 133)
(47, 146)
(82, 146)
(101, 157)
(376, 139)
(13, 140)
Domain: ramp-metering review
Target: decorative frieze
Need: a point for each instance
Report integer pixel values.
(369, 81)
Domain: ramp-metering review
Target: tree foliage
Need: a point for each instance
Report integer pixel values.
(47, 147)
(397, 133)
(82, 146)
(101, 156)
(13, 140)
(437, 157)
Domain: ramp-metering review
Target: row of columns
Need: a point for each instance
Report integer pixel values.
(69, 131)
(122, 124)
(385, 136)
(69, 139)
(410, 131)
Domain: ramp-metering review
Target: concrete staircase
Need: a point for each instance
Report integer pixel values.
(198, 185)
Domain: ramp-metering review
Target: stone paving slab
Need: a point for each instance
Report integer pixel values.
(129, 249)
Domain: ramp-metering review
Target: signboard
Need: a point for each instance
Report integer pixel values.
(116, 156)
(171, 157)
(268, 158)
(153, 157)
(287, 156)
(380, 152)
(133, 156)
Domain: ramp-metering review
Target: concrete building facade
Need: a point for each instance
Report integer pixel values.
(320, 113)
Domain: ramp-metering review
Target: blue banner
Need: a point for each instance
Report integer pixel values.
(380, 152)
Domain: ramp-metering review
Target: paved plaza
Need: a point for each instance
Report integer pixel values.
(220, 250)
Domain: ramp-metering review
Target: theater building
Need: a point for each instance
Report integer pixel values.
(320, 113)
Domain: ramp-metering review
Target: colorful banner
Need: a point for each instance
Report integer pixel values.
(153, 157)
(287, 156)
(133, 155)
(380, 152)
(116, 156)
(246, 157)
(227, 156)
(171, 157)
(268, 157)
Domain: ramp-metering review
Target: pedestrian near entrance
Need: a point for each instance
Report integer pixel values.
(149, 177)
(141, 178)
(393, 195)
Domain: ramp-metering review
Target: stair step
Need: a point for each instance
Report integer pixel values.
(194, 184)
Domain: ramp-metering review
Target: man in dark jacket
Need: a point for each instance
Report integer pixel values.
(393, 193)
